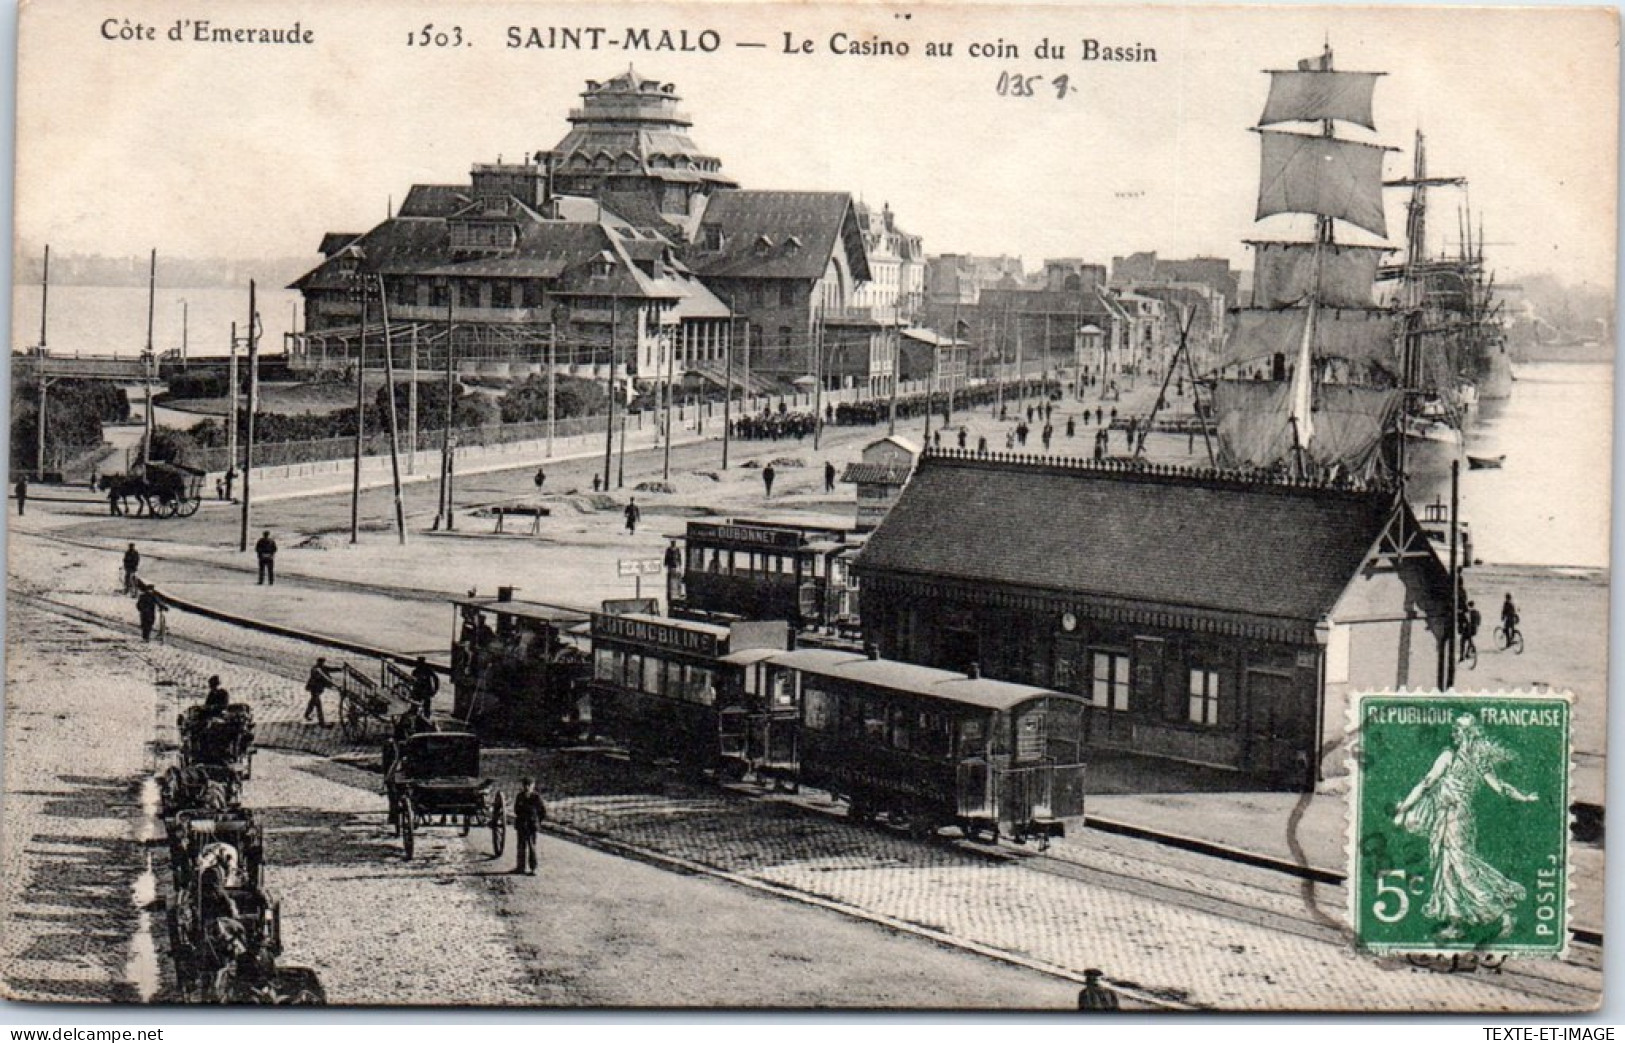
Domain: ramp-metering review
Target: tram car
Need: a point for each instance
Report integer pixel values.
(755, 569)
(658, 683)
(516, 667)
(927, 748)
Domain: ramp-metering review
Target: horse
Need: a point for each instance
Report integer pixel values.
(122, 488)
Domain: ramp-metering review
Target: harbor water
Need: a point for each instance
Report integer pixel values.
(1549, 501)
(112, 320)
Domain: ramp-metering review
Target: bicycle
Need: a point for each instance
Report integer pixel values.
(1506, 638)
(1469, 653)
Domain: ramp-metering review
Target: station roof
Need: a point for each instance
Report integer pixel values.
(1190, 540)
(945, 685)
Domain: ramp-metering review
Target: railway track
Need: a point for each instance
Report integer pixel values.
(1140, 867)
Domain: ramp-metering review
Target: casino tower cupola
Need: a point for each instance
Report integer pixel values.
(629, 141)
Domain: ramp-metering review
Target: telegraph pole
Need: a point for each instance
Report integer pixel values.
(360, 409)
(253, 398)
(609, 422)
(670, 346)
(394, 432)
(552, 380)
(412, 406)
(728, 396)
(818, 377)
(148, 360)
(44, 382)
(446, 461)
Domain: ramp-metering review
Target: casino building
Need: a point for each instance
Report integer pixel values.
(1217, 625)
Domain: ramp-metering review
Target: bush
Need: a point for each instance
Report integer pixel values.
(199, 383)
(575, 397)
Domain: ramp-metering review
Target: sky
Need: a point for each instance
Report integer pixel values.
(247, 150)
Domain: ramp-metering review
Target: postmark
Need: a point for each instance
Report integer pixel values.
(1460, 824)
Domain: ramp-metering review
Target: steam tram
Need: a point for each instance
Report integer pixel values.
(516, 667)
(752, 569)
(921, 748)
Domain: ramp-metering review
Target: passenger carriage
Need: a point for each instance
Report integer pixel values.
(657, 683)
(433, 779)
(929, 748)
(516, 667)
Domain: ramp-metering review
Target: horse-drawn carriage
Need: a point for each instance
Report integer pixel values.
(198, 787)
(433, 778)
(160, 490)
(220, 738)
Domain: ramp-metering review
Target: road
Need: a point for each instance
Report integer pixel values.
(1169, 928)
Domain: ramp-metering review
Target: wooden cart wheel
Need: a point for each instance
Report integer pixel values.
(350, 718)
(499, 825)
(408, 825)
(190, 507)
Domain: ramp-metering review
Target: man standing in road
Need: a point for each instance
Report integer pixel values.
(231, 476)
(767, 479)
(22, 493)
(528, 814)
(146, 609)
(829, 471)
(541, 477)
(132, 562)
(265, 550)
(632, 515)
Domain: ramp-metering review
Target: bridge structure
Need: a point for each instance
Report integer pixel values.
(37, 365)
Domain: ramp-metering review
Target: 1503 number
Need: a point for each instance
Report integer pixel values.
(429, 36)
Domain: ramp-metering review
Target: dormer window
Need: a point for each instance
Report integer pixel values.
(603, 266)
(793, 243)
(712, 236)
(764, 242)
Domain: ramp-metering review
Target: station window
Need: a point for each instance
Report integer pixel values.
(1204, 706)
(633, 673)
(902, 728)
(1109, 689)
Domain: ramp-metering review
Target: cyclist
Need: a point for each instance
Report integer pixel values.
(1471, 619)
(1509, 619)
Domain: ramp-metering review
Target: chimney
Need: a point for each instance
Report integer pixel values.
(872, 650)
(973, 671)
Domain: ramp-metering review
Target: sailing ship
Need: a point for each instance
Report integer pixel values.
(1311, 380)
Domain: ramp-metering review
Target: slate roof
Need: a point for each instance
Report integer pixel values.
(435, 200)
(884, 474)
(1260, 549)
(820, 222)
(561, 252)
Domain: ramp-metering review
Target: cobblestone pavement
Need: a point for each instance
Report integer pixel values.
(1180, 927)
(71, 865)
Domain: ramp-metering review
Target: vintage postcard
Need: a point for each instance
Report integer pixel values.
(815, 505)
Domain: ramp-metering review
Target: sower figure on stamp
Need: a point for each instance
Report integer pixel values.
(528, 815)
(1466, 890)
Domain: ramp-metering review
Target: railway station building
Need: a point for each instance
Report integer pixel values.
(1216, 623)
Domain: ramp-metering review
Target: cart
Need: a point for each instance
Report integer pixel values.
(174, 489)
(366, 709)
(433, 780)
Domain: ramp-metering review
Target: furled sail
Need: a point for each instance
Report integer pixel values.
(1316, 95)
(1362, 336)
(1255, 428)
(1284, 274)
(1304, 174)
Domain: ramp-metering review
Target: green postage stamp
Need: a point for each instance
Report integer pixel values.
(1460, 824)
